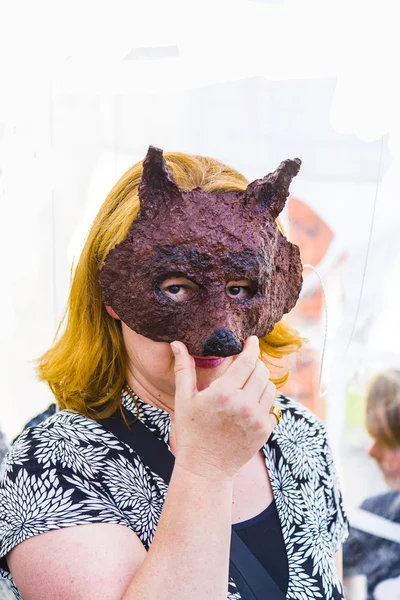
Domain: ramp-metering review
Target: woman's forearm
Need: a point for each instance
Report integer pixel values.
(189, 555)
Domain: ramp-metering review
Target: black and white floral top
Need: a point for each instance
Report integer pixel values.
(70, 471)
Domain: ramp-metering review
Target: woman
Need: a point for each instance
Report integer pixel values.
(203, 265)
(372, 549)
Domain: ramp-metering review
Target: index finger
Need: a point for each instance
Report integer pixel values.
(242, 367)
(185, 372)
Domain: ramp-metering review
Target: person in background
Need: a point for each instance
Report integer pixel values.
(50, 410)
(3, 445)
(373, 547)
(5, 589)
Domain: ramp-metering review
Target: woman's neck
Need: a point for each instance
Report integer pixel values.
(149, 393)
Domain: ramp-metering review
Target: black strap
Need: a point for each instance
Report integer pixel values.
(252, 579)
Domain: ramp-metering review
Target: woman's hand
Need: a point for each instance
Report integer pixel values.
(221, 428)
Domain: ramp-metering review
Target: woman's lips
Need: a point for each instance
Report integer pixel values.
(208, 362)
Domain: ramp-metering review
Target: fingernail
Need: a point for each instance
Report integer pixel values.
(175, 349)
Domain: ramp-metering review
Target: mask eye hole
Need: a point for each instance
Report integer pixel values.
(243, 289)
(178, 289)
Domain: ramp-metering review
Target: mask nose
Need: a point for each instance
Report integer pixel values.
(222, 343)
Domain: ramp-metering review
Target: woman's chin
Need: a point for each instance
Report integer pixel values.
(206, 376)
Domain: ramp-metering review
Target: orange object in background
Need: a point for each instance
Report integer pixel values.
(313, 236)
(304, 379)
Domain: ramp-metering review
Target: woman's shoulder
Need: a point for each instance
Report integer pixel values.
(296, 412)
(64, 440)
(67, 425)
(69, 470)
(304, 464)
(300, 442)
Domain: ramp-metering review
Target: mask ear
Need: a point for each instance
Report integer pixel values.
(272, 191)
(157, 187)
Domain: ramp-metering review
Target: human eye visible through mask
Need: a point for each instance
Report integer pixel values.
(178, 289)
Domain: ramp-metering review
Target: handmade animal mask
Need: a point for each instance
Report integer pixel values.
(211, 239)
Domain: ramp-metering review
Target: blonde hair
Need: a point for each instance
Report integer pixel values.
(86, 366)
(383, 408)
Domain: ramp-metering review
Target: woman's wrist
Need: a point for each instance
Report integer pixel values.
(202, 471)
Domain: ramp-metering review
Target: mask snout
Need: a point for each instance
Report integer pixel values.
(222, 342)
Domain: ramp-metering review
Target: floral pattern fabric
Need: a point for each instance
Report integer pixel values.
(69, 470)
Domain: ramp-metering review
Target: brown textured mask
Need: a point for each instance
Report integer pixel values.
(211, 239)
